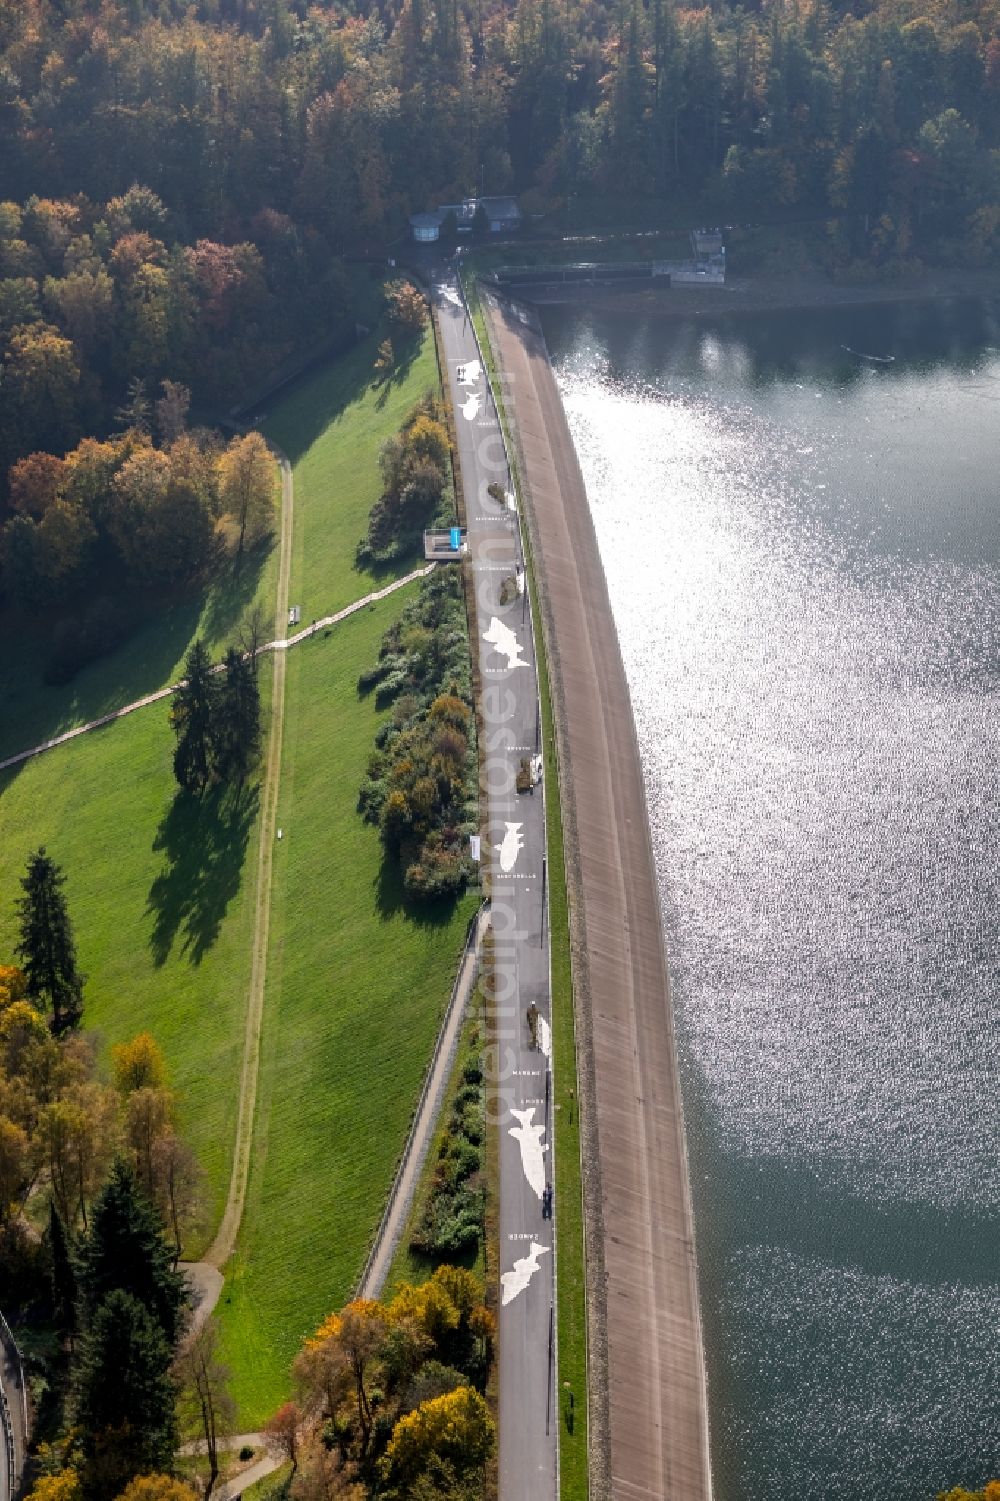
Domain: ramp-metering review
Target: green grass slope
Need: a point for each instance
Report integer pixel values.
(355, 992)
(331, 425)
(160, 894)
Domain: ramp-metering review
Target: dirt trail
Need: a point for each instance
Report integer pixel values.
(222, 1246)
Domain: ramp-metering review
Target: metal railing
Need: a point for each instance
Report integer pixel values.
(6, 1418)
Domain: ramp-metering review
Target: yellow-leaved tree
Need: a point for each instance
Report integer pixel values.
(246, 489)
(63, 1486)
(138, 1064)
(157, 1488)
(456, 1428)
(13, 985)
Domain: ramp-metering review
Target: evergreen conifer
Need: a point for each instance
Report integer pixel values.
(236, 734)
(124, 1396)
(125, 1250)
(46, 948)
(63, 1277)
(192, 717)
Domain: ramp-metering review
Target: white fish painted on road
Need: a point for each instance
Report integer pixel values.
(521, 1273)
(529, 1138)
(468, 375)
(545, 1037)
(450, 295)
(470, 408)
(506, 643)
(510, 846)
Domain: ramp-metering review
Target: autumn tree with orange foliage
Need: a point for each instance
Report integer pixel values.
(157, 1488)
(281, 1433)
(60, 1128)
(246, 480)
(372, 1366)
(406, 307)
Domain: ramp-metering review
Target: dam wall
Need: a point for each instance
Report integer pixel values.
(648, 1400)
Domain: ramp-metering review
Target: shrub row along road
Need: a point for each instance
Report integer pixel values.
(519, 1099)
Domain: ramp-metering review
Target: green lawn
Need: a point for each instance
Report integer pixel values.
(331, 425)
(356, 989)
(160, 892)
(571, 1270)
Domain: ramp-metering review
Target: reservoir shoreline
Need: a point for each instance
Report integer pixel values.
(649, 1411)
(784, 291)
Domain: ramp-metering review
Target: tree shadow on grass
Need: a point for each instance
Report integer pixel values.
(204, 842)
(233, 590)
(307, 405)
(145, 659)
(391, 898)
(400, 370)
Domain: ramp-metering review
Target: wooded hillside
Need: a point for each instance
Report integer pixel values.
(345, 118)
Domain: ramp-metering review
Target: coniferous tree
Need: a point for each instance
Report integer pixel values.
(124, 1396)
(46, 948)
(125, 1250)
(192, 717)
(236, 738)
(63, 1277)
(133, 415)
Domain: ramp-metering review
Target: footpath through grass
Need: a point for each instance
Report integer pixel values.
(160, 895)
(413, 1266)
(356, 990)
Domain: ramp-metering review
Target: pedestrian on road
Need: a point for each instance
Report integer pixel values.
(547, 1202)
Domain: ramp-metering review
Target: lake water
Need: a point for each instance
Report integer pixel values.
(802, 544)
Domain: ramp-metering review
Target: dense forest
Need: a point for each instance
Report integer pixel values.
(271, 136)
(342, 118)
